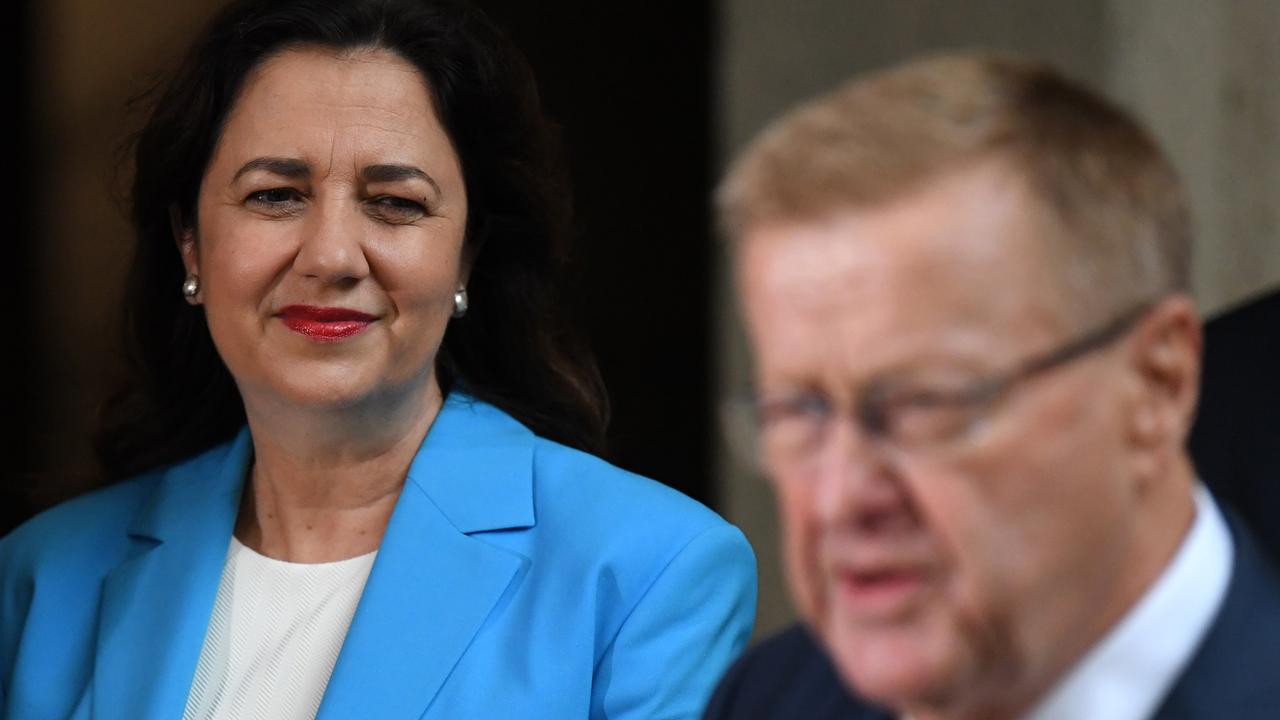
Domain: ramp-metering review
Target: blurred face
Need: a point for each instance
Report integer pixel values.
(976, 568)
(330, 229)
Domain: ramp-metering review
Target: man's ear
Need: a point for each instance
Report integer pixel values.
(1166, 361)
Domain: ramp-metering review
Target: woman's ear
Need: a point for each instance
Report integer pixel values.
(185, 238)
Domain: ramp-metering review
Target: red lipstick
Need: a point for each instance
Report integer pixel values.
(325, 324)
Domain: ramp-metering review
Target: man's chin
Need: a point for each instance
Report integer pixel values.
(897, 668)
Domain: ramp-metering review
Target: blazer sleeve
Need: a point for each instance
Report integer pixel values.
(687, 628)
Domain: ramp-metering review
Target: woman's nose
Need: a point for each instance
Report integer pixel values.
(332, 246)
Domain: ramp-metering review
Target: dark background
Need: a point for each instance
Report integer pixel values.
(18, 291)
(631, 91)
(630, 84)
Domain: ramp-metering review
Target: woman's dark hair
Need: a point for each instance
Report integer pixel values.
(513, 349)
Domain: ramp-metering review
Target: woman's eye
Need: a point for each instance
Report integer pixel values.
(276, 200)
(396, 209)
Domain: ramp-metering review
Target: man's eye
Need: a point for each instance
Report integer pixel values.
(927, 399)
(930, 415)
(800, 407)
(392, 209)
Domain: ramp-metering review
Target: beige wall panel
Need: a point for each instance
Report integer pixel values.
(1203, 76)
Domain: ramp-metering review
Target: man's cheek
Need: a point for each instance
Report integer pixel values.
(803, 562)
(978, 598)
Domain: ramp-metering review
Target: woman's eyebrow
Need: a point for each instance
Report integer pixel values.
(386, 173)
(285, 167)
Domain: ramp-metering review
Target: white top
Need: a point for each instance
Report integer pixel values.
(274, 636)
(1128, 673)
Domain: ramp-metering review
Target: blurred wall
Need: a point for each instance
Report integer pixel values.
(87, 59)
(1201, 74)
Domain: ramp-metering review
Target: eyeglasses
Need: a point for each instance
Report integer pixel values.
(910, 418)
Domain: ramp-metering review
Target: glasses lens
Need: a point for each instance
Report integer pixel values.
(928, 421)
(790, 426)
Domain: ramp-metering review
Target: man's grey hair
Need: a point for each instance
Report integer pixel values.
(1126, 230)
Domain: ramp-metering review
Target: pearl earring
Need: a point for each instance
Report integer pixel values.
(190, 286)
(460, 302)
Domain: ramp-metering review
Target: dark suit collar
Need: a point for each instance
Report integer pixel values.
(1233, 672)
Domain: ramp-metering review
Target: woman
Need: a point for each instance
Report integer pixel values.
(356, 440)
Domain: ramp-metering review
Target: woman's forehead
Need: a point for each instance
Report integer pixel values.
(342, 108)
(375, 88)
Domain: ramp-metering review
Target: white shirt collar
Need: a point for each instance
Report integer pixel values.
(1128, 673)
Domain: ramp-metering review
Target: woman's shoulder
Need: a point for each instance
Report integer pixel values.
(598, 515)
(672, 583)
(91, 529)
(575, 481)
(71, 536)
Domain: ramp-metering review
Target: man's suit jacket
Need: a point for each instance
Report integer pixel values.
(1236, 438)
(516, 578)
(1235, 672)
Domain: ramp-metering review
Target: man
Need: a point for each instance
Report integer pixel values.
(965, 281)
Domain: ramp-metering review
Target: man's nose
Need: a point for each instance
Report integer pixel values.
(332, 247)
(857, 482)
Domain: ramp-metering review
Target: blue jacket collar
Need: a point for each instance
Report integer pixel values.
(430, 589)
(476, 465)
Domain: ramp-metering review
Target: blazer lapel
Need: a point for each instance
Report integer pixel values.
(433, 583)
(1228, 676)
(156, 604)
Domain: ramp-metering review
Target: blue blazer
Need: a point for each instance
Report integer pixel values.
(516, 578)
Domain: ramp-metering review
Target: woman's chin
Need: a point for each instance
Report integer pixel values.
(334, 391)
(340, 388)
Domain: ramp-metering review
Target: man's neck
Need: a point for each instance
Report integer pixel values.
(1167, 515)
(1128, 672)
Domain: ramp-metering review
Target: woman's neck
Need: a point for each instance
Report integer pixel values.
(324, 482)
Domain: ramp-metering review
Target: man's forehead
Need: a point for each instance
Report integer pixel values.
(962, 253)
(979, 219)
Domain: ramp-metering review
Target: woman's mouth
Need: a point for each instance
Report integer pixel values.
(325, 324)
